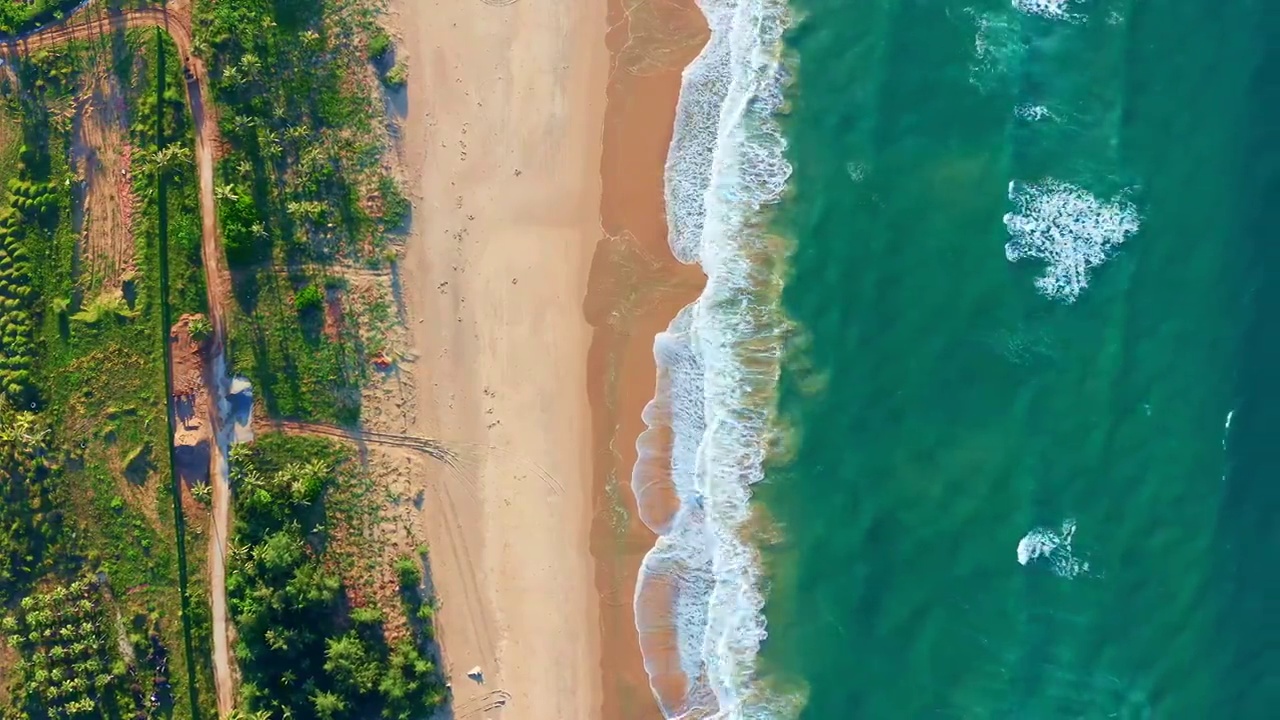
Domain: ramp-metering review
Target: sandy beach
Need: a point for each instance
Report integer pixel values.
(534, 280)
(500, 145)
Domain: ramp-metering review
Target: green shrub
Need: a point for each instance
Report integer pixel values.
(241, 231)
(397, 77)
(200, 328)
(395, 206)
(426, 612)
(309, 299)
(408, 572)
(368, 615)
(379, 44)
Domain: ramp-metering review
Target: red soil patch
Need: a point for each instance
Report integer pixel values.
(192, 436)
(102, 157)
(333, 314)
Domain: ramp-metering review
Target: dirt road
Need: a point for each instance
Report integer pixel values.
(94, 21)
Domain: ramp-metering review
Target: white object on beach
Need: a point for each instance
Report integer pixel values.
(476, 674)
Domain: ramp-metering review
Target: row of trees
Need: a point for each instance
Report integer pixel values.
(28, 201)
(302, 653)
(28, 522)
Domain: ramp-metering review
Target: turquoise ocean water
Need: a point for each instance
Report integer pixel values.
(949, 413)
(1020, 378)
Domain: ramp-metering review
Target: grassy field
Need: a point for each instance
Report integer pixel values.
(98, 386)
(305, 197)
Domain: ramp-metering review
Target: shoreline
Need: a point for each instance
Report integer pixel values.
(536, 278)
(637, 286)
(700, 602)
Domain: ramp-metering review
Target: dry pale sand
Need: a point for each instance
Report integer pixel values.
(501, 147)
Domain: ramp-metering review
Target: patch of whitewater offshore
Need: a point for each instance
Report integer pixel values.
(1054, 9)
(699, 602)
(1053, 547)
(1068, 229)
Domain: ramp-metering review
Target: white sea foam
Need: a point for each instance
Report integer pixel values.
(1053, 547)
(998, 47)
(718, 367)
(1055, 9)
(1069, 229)
(1032, 113)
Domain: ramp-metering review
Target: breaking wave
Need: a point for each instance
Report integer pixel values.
(1032, 113)
(1069, 229)
(1055, 9)
(1054, 547)
(999, 48)
(699, 601)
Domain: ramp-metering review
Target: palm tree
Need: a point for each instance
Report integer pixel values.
(251, 479)
(168, 158)
(269, 141)
(202, 492)
(227, 192)
(231, 75)
(317, 468)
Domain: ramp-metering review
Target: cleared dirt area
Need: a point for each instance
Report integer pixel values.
(101, 157)
(192, 434)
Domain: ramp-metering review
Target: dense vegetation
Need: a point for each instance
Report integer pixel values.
(302, 186)
(86, 493)
(29, 203)
(303, 653)
(91, 517)
(70, 667)
(19, 15)
(28, 522)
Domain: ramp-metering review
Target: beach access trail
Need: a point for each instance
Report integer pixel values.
(91, 21)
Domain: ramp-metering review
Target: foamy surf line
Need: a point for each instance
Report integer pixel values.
(718, 364)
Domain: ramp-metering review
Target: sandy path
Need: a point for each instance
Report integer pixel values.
(175, 19)
(501, 142)
(218, 292)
